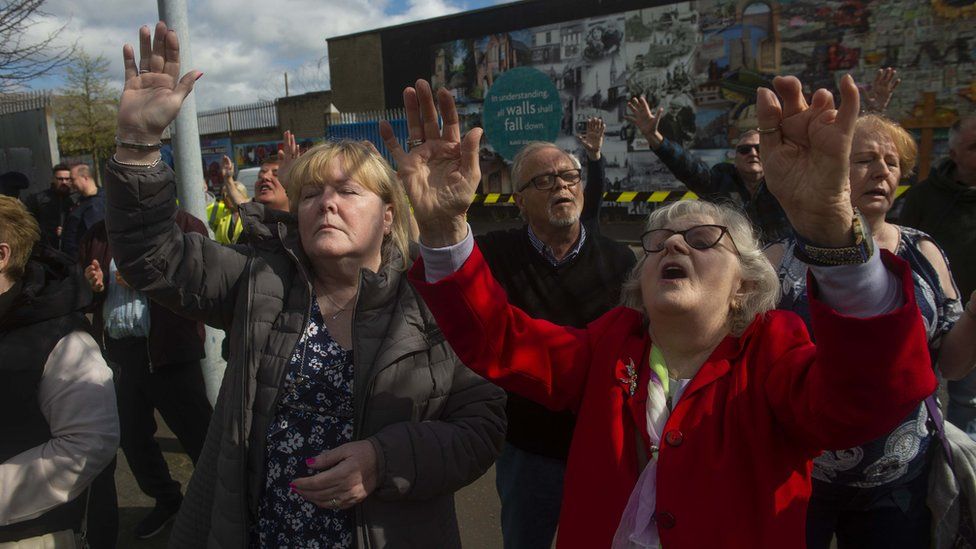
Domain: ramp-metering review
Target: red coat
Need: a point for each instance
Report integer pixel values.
(734, 467)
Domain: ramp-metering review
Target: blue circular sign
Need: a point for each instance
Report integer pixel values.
(522, 106)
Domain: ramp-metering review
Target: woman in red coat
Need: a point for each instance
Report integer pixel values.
(720, 403)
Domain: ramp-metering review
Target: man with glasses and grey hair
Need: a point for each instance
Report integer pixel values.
(740, 183)
(557, 267)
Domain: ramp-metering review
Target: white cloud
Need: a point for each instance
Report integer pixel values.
(243, 47)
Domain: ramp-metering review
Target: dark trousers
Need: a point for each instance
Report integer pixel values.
(897, 518)
(178, 392)
(103, 510)
(530, 487)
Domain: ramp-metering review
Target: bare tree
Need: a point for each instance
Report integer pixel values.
(86, 109)
(21, 57)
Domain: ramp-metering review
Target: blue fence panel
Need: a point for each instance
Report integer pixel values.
(370, 131)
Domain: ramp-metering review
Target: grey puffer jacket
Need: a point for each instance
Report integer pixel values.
(436, 426)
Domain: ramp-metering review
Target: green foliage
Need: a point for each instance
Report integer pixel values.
(86, 109)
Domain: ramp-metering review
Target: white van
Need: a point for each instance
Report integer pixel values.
(249, 176)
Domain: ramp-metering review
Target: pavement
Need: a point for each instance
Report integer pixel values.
(477, 504)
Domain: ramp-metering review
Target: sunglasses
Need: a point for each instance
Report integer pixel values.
(699, 237)
(744, 149)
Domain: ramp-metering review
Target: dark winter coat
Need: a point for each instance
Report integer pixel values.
(435, 425)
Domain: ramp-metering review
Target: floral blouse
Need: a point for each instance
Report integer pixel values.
(900, 455)
(314, 414)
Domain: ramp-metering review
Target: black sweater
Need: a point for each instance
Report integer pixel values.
(572, 294)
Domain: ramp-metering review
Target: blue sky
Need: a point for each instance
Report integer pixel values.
(243, 47)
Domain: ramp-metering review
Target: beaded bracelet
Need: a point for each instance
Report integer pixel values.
(153, 164)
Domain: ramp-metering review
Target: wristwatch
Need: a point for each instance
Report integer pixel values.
(856, 254)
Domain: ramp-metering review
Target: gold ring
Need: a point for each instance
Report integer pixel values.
(334, 503)
(763, 131)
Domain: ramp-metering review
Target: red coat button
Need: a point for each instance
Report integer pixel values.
(674, 438)
(664, 520)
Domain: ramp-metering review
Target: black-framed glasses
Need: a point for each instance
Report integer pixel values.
(745, 149)
(699, 237)
(547, 181)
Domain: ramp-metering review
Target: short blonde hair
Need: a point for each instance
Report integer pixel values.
(875, 124)
(19, 230)
(763, 285)
(368, 168)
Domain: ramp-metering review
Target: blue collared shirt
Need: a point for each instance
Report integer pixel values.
(546, 251)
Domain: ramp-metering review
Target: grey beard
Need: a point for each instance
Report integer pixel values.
(563, 221)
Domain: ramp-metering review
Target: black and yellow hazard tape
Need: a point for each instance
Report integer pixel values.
(625, 196)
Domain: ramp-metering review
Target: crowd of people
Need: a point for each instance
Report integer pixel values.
(763, 372)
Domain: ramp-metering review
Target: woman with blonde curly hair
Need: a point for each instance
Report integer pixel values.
(874, 495)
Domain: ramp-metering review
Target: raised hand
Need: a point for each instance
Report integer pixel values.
(646, 120)
(95, 277)
(227, 169)
(806, 157)
(288, 153)
(441, 172)
(154, 90)
(592, 140)
(876, 98)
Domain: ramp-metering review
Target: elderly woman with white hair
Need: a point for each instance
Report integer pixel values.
(720, 401)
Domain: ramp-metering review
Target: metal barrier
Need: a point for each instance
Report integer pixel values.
(24, 101)
(253, 116)
(369, 131)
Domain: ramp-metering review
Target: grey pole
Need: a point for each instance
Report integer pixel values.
(189, 172)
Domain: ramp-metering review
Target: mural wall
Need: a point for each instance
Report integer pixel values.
(702, 61)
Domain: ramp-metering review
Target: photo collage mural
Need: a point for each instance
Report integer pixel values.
(703, 60)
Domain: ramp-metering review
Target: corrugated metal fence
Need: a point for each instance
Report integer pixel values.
(24, 101)
(364, 126)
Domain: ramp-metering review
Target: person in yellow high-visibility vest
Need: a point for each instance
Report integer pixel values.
(222, 215)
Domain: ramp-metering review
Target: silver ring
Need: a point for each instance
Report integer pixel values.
(334, 503)
(141, 71)
(764, 131)
(411, 143)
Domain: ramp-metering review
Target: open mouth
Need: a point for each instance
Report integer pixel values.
(560, 201)
(673, 272)
(880, 193)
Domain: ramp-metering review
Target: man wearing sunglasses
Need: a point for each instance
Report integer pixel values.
(560, 268)
(741, 182)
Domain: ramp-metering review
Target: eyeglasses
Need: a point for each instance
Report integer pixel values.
(547, 181)
(744, 149)
(699, 237)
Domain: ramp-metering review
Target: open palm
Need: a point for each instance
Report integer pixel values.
(442, 173)
(807, 161)
(154, 91)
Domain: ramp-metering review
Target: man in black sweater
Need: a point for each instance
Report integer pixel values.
(560, 268)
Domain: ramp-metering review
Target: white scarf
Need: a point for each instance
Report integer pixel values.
(637, 529)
